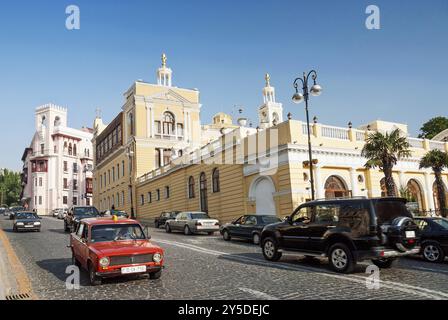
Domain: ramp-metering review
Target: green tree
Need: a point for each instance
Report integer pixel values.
(437, 160)
(10, 187)
(433, 127)
(384, 151)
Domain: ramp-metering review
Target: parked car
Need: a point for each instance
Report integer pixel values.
(192, 222)
(434, 238)
(247, 227)
(76, 214)
(346, 231)
(55, 212)
(14, 210)
(62, 214)
(3, 211)
(112, 247)
(26, 221)
(164, 216)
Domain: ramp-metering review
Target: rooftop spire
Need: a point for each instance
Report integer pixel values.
(164, 60)
(268, 80)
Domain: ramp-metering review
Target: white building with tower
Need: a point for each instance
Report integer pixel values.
(58, 164)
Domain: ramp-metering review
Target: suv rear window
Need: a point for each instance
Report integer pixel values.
(388, 210)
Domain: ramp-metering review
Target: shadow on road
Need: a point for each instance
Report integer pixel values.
(305, 264)
(58, 268)
(60, 231)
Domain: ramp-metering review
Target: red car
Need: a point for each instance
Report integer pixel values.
(112, 247)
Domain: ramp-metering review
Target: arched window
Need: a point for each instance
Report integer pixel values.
(203, 192)
(75, 151)
(70, 149)
(65, 147)
(335, 187)
(191, 188)
(168, 123)
(57, 121)
(215, 178)
(131, 130)
(43, 121)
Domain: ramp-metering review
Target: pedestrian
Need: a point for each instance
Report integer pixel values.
(113, 207)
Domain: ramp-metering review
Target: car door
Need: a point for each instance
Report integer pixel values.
(76, 242)
(84, 245)
(234, 226)
(325, 218)
(248, 227)
(295, 233)
(180, 221)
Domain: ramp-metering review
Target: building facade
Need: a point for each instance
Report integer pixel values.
(156, 156)
(157, 122)
(58, 164)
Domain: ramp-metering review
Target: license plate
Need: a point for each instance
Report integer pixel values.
(136, 269)
(410, 234)
(29, 226)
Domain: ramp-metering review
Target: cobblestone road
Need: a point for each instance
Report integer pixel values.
(206, 267)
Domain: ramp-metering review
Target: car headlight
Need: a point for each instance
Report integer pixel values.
(37, 223)
(104, 262)
(19, 223)
(157, 258)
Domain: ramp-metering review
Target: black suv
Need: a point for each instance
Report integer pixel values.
(76, 214)
(346, 231)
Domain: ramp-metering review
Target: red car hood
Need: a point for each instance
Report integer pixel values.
(117, 248)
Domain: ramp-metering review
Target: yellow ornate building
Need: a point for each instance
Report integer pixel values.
(167, 161)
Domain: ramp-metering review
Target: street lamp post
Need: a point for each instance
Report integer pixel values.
(298, 97)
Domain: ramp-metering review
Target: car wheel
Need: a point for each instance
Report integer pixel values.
(226, 235)
(341, 258)
(432, 252)
(167, 228)
(384, 263)
(155, 275)
(187, 230)
(94, 279)
(270, 250)
(256, 238)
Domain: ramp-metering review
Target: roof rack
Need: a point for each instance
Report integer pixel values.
(341, 198)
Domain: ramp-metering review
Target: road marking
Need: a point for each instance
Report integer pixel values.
(258, 294)
(415, 290)
(23, 282)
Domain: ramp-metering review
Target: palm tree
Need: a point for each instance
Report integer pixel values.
(437, 160)
(384, 151)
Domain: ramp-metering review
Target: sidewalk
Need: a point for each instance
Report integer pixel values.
(13, 278)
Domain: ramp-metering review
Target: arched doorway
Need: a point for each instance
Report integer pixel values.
(414, 195)
(335, 187)
(384, 189)
(203, 192)
(262, 191)
(435, 194)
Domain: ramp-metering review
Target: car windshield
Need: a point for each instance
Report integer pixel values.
(15, 209)
(269, 219)
(195, 216)
(442, 222)
(117, 232)
(85, 211)
(388, 210)
(26, 215)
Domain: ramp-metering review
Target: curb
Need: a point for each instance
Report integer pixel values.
(11, 261)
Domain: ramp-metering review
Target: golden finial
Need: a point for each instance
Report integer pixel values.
(268, 80)
(164, 59)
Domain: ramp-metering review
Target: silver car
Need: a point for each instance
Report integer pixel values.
(192, 222)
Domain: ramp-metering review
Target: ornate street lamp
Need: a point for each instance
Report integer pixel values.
(298, 97)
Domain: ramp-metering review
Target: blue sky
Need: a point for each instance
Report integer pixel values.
(223, 48)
